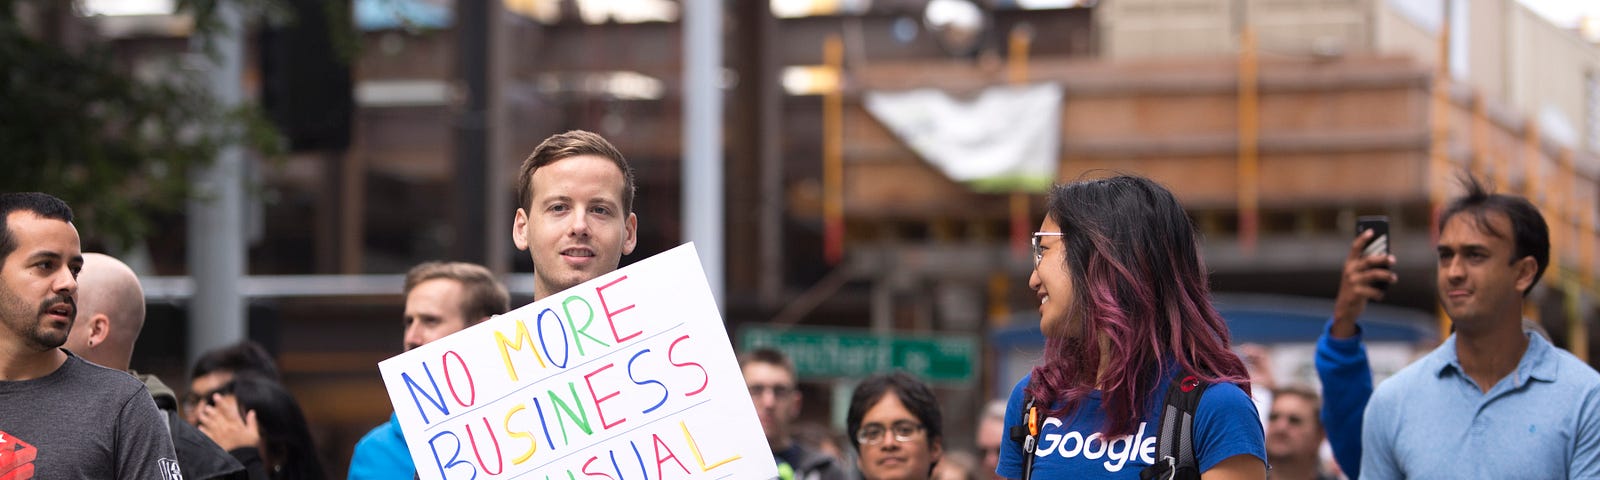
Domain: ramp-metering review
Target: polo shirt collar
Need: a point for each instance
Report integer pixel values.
(1537, 362)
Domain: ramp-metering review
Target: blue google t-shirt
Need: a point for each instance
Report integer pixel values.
(1226, 424)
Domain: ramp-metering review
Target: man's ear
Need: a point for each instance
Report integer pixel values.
(794, 406)
(99, 329)
(519, 228)
(1527, 268)
(632, 225)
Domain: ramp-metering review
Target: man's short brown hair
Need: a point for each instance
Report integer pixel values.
(770, 356)
(484, 294)
(571, 144)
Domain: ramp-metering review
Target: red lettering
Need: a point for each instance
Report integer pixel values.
(660, 460)
(705, 377)
(474, 441)
(594, 474)
(611, 316)
(589, 380)
(472, 388)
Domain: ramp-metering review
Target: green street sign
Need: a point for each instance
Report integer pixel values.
(854, 353)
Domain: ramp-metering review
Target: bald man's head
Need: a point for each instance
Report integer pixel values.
(110, 312)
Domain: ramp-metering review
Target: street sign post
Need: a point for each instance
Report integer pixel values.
(849, 353)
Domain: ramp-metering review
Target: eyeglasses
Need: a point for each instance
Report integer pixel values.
(780, 391)
(192, 400)
(872, 433)
(1038, 253)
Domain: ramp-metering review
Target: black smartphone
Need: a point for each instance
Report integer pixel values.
(1379, 245)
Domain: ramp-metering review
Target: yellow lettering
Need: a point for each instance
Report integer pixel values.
(533, 445)
(522, 338)
(695, 448)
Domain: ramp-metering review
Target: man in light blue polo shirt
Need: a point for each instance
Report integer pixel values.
(1492, 401)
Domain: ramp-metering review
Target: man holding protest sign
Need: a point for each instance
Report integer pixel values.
(627, 375)
(441, 299)
(607, 373)
(574, 210)
(574, 217)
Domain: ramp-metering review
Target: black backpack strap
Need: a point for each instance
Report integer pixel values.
(1027, 434)
(1175, 458)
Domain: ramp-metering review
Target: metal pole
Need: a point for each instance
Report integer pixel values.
(216, 211)
(497, 194)
(770, 145)
(702, 136)
(472, 132)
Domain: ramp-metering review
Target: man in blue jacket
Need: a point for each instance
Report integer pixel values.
(441, 299)
(1342, 359)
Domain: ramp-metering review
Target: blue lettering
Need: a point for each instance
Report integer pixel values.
(642, 471)
(664, 392)
(544, 423)
(413, 387)
(455, 460)
(566, 349)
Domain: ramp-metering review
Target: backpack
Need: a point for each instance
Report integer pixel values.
(1175, 459)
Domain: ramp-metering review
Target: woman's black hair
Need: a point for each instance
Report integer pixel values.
(289, 452)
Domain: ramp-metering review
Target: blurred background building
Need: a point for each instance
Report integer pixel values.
(1277, 122)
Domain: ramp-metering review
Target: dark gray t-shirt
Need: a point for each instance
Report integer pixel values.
(83, 421)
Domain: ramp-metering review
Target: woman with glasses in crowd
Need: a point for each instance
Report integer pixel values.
(1125, 307)
(895, 425)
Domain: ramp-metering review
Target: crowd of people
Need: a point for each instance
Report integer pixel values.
(1139, 377)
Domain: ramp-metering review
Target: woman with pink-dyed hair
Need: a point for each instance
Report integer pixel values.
(1125, 308)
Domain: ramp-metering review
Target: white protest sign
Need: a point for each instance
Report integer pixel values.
(627, 376)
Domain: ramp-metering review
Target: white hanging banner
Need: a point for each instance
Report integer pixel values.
(1007, 139)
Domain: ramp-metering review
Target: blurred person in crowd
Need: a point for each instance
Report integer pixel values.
(1258, 363)
(574, 210)
(441, 298)
(1470, 398)
(110, 315)
(955, 465)
(1125, 308)
(896, 427)
(1294, 435)
(61, 416)
(822, 439)
(216, 368)
(258, 422)
(774, 389)
(991, 429)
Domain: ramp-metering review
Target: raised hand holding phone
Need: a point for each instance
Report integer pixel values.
(1379, 243)
(1366, 276)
